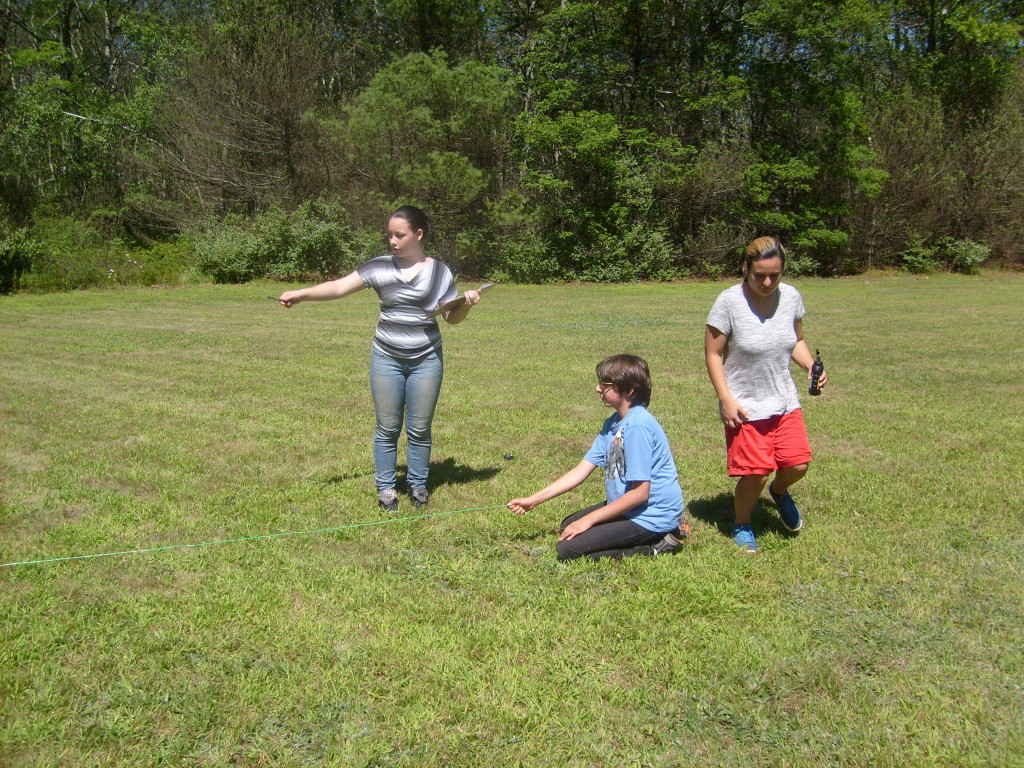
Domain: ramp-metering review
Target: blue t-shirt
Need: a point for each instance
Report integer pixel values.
(635, 449)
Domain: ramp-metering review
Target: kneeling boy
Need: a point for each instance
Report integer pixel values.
(643, 510)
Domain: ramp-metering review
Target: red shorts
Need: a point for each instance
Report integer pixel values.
(760, 447)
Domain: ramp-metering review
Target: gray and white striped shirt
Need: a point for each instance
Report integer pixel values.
(406, 330)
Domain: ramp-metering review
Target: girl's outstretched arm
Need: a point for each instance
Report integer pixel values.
(332, 289)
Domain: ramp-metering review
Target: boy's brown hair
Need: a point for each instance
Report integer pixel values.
(629, 375)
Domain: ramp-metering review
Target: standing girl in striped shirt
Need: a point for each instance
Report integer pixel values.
(406, 365)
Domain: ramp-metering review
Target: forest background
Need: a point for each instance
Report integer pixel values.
(552, 140)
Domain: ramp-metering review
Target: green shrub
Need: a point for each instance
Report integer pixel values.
(919, 259)
(67, 253)
(637, 252)
(313, 242)
(964, 256)
(317, 242)
(526, 259)
(715, 250)
(828, 244)
(18, 251)
(799, 263)
(164, 263)
(514, 249)
(228, 250)
(74, 253)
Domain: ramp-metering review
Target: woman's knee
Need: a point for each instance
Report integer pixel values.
(751, 482)
(418, 430)
(388, 429)
(566, 550)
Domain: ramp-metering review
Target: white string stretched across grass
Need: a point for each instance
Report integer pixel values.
(247, 538)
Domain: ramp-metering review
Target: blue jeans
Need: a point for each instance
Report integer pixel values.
(408, 388)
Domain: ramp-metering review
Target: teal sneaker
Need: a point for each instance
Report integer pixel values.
(743, 536)
(789, 512)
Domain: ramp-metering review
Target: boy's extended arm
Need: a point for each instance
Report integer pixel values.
(566, 482)
(638, 494)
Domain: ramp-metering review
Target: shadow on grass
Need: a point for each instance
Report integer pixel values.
(334, 479)
(530, 536)
(450, 472)
(447, 472)
(719, 512)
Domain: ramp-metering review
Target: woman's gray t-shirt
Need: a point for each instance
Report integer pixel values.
(759, 350)
(405, 329)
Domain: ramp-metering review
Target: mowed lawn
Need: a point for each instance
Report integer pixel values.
(888, 633)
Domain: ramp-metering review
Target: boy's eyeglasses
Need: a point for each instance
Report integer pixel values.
(604, 386)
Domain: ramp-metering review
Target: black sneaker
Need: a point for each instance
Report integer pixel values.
(388, 499)
(668, 545)
(420, 496)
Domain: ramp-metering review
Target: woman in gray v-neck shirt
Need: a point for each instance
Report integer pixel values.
(753, 332)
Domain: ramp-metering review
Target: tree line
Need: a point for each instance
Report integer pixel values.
(550, 139)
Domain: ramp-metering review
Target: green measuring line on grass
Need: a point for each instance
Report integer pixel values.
(248, 538)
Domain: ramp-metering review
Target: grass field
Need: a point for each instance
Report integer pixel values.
(888, 633)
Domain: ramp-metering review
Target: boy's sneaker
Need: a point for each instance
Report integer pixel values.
(743, 536)
(388, 499)
(668, 545)
(789, 512)
(420, 496)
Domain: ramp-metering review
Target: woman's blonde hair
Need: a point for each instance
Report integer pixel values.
(763, 248)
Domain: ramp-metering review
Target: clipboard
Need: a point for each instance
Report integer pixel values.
(458, 301)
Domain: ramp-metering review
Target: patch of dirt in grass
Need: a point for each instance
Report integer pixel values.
(574, 445)
(870, 667)
(48, 519)
(140, 583)
(844, 448)
(25, 461)
(123, 487)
